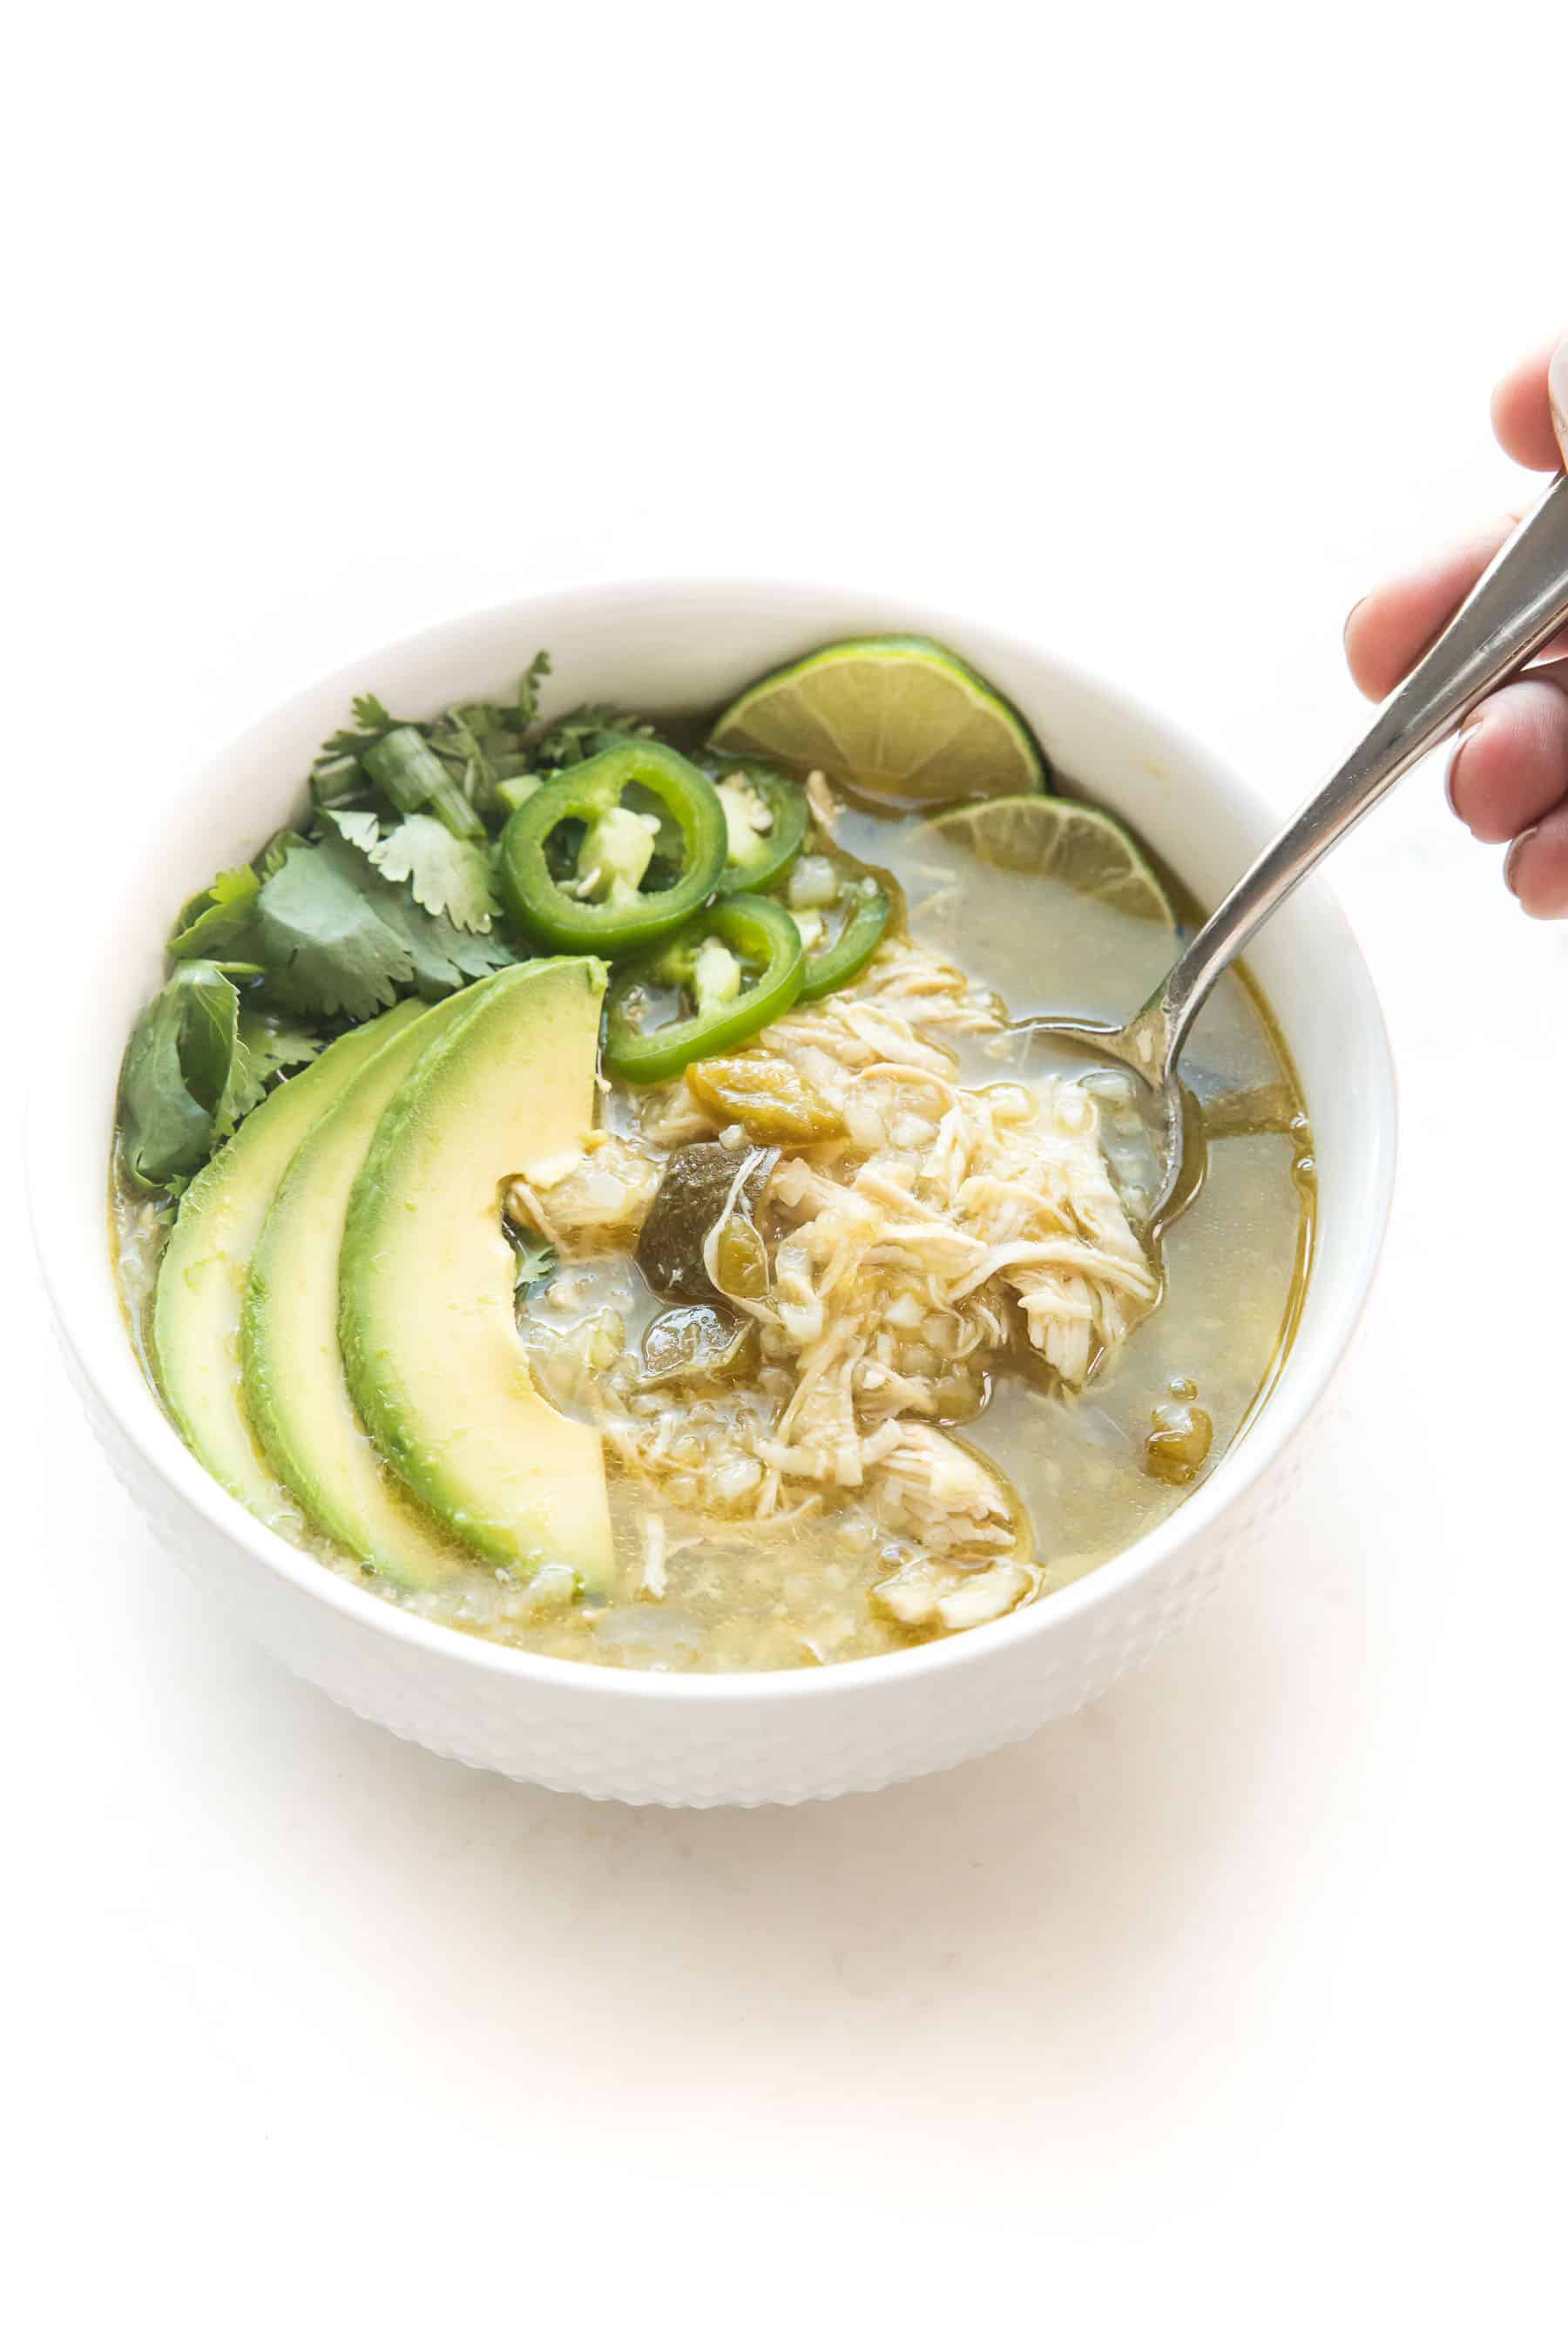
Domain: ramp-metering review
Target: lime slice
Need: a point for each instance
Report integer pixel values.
(900, 716)
(1031, 833)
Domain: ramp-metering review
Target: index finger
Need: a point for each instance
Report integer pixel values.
(1522, 412)
(1390, 629)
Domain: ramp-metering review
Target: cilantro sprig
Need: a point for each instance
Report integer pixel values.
(384, 891)
(337, 934)
(454, 765)
(586, 731)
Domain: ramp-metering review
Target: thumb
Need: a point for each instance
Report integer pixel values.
(1557, 390)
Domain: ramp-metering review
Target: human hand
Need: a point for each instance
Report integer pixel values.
(1507, 771)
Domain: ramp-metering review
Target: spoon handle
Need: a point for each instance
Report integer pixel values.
(1519, 602)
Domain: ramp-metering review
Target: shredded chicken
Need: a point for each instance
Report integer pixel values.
(596, 1203)
(920, 1595)
(821, 802)
(654, 1580)
(940, 1227)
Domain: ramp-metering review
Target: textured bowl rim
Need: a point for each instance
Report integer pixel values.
(122, 1391)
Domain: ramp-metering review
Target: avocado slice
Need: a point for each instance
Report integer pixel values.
(201, 1282)
(427, 1315)
(295, 1389)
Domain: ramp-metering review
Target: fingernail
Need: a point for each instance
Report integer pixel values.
(1456, 748)
(1350, 620)
(1557, 389)
(1510, 863)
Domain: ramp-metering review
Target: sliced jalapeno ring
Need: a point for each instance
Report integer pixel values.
(759, 855)
(868, 911)
(616, 850)
(758, 929)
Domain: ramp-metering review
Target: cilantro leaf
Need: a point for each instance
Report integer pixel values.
(175, 1073)
(242, 1093)
(536, 1259)
(440, 956)
(478, 721)
(593, 727)
(209, 1034)
(263, 1047)
(372, 721)
(277, 850)
(324, 945)
(218, 918)
(276, 1044)
(359, 827)
(444, 958)
(528, 687)
(446, 876)
(482, 744)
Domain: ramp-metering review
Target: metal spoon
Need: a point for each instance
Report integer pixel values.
(1518, 604)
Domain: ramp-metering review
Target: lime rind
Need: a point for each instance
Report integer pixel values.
(1062, 840)
(900, 716)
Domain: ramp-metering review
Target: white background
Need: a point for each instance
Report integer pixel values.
(1232, 2008)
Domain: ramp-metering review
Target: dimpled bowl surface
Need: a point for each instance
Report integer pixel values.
(729, 1738)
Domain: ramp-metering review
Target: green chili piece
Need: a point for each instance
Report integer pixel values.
(867, 914)
(757, 930)
(605, 908)
(759, 856)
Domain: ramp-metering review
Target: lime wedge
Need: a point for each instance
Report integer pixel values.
(1029, 833)
(901, 717)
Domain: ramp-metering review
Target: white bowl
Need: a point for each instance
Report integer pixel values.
(724, 1739)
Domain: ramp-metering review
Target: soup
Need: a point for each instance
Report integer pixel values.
(813, 1322)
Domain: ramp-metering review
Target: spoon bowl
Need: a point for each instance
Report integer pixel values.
(1169, 1113)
